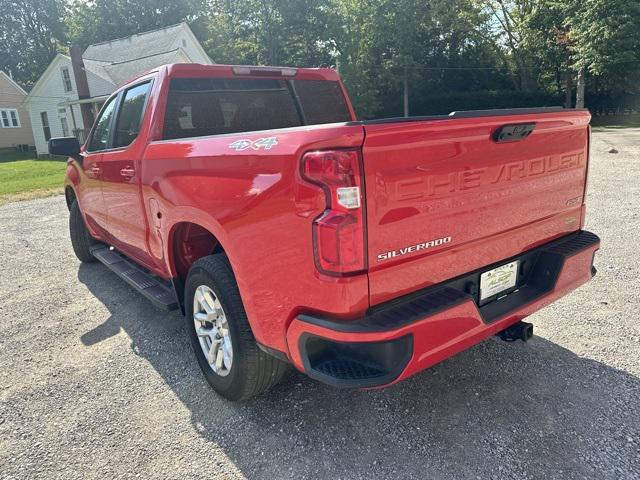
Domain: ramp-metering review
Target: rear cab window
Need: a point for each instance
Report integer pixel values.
(213, 106)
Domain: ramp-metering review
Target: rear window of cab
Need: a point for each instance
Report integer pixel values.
(199, 107)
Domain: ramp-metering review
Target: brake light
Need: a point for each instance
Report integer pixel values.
(339, 233)
(265, 71)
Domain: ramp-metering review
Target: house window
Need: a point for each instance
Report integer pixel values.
(45, 125)
(66, 80)
(65, 127)
(9, 118)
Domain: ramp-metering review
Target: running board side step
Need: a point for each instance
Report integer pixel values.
(153, 288)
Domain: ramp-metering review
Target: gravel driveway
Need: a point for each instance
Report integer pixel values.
(96, 383)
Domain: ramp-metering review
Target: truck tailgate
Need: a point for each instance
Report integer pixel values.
(445, 198)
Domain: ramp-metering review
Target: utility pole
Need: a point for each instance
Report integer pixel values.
(580, 88)
(568, 89)
(406, 89)
(82, 84)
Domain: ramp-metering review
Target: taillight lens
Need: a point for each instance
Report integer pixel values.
(339, 233)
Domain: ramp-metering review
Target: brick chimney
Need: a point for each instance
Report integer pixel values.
(82, 85)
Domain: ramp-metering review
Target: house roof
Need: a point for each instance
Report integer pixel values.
(12, 82)
(136, 46)
(117, 61)
(120, 72)
(120, 60)
(98, 69)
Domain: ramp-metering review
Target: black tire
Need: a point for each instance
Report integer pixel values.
(81, 241)
(252, 370)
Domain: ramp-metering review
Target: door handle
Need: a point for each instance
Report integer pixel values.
(127, 172)
(95, 171)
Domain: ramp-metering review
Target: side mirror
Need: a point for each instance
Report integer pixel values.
(64, 146)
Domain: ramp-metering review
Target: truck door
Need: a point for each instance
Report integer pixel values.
(120, 167)
(90, 189)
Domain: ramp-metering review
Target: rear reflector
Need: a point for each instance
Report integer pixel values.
(338, 234)
(349, 197)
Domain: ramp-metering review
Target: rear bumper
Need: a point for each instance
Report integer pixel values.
(400, 338)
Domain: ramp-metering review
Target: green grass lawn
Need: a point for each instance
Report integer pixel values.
(602, 123)
(30, 178)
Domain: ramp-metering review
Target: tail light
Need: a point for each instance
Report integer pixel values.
(339, 233)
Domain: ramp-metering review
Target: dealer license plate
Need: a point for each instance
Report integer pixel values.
(500, 279)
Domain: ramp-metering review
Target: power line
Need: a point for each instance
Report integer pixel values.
(515, 69)
(35, 96)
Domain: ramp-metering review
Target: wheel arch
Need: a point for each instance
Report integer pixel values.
(189, 241)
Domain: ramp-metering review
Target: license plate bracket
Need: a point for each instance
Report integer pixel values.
(498, 281)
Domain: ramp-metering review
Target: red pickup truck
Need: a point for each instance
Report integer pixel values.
(289, 232)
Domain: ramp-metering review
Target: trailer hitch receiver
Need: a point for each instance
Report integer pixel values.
(518, 331)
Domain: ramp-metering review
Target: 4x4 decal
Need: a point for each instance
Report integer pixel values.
(265, 143)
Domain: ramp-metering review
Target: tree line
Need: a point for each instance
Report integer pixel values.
(427, 56)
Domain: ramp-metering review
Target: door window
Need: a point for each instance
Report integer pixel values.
(100, 136)
(130, 116)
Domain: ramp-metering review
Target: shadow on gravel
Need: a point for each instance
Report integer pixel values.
(498, 410)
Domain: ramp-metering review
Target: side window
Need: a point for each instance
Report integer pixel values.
(100, 136)
(130, 116)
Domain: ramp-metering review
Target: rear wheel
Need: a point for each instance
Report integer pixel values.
(221, 337)
(81, 240)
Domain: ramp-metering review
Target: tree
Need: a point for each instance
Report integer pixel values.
(101, 20)
(276, 32)
(430, 48)
(31, 33)
(513, 30)
(606, 43)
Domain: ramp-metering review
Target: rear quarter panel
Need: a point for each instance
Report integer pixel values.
(257, 206)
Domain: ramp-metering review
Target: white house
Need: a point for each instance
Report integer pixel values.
(54, 103)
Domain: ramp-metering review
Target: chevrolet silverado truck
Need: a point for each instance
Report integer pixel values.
(288, 232)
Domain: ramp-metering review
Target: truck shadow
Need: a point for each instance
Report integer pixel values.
(497, 410)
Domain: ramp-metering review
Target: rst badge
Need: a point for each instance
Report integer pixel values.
(413, 248)
(261, 143)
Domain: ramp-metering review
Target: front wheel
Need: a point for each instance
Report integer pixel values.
(220, 334)
(81, 240)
